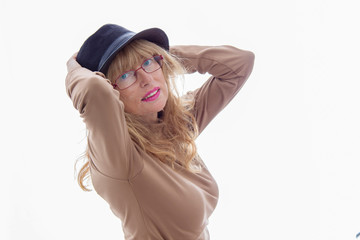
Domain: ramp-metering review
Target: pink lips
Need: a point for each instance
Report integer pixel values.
(151, 95)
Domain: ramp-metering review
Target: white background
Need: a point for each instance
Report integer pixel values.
(285, 152)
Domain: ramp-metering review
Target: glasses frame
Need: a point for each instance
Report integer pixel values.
(159, 61)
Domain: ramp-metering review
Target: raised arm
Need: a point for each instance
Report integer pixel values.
(230, 68)
(110, 147)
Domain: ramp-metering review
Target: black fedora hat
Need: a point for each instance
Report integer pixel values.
(99, 49)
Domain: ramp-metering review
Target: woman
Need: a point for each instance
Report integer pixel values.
(142, 158)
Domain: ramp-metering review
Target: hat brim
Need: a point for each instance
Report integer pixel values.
(154, 35)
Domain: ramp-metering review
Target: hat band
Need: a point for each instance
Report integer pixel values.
(115, 46)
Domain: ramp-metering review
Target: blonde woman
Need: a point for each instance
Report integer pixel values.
(142, 157)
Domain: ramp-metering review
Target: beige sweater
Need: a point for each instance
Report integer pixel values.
(152, 200)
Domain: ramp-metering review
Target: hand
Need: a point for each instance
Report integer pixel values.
(72, 64)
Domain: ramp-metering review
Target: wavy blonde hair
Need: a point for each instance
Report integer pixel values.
(176, 143)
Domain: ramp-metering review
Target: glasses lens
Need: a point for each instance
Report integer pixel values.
(152, 64)
(126, 79)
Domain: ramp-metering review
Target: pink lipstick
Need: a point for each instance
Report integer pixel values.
(151, 95)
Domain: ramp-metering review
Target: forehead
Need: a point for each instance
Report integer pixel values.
(134, 62)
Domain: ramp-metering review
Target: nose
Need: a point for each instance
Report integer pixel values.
(144, 78)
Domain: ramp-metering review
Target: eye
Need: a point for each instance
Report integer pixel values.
(124, 76)
(147, 62)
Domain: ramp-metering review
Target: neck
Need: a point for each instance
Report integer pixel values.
(151, 118)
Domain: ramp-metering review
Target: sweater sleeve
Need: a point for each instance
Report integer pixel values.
(230, 68)
(110, 147)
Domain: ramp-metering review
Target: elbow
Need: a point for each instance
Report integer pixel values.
(250, 60)
(245, 64)
(85, 88)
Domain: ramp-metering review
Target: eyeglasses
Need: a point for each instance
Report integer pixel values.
(128, 78)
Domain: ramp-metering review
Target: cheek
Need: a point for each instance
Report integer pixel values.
(166, 89)
(166, 93)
